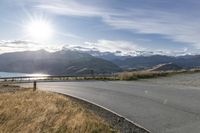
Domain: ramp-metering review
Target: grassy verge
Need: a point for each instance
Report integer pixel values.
(135, 75)
(152, 74)
(28, 111)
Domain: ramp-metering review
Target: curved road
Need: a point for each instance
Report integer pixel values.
(159, 108)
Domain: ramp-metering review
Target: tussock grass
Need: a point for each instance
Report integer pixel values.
(152, 74)
(140, 75)
(36, 112)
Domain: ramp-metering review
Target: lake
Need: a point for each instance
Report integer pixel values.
(10, 74)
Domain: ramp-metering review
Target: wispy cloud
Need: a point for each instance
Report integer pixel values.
(73, 8)
(70, 35)
(22, 45)
(118, 47)
(172, 25)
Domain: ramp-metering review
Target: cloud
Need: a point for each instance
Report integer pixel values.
(73, 8)
(117, 47)
(22, 45)
(70, 35)
(125, 48)
(120, 47)
(171, 25)
(178, 27)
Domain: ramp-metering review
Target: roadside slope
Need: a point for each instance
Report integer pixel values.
(28, 111)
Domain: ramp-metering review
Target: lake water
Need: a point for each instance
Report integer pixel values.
(9, 74)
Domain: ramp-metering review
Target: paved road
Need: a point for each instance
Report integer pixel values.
(159, 108)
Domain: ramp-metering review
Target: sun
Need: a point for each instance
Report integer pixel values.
(39, 29)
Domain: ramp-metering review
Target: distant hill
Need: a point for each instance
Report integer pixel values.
(166, 67)
(64, 62)
(146, 62)
(143, 62)
(143, 59)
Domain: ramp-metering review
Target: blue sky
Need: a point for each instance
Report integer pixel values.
(165, 26)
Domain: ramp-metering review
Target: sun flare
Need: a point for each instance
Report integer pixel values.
(39, 29)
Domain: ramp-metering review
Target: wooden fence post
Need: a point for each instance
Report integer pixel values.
(34, 85)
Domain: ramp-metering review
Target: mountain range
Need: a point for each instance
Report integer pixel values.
(57, 63)
(74, 62)
(146, 61)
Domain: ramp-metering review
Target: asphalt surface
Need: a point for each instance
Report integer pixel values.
(158, 108)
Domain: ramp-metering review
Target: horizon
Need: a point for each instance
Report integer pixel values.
(112, 26)
(103, 53)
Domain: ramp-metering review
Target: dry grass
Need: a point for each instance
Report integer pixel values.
(149, 74)
(36, 112)
(135, 75)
